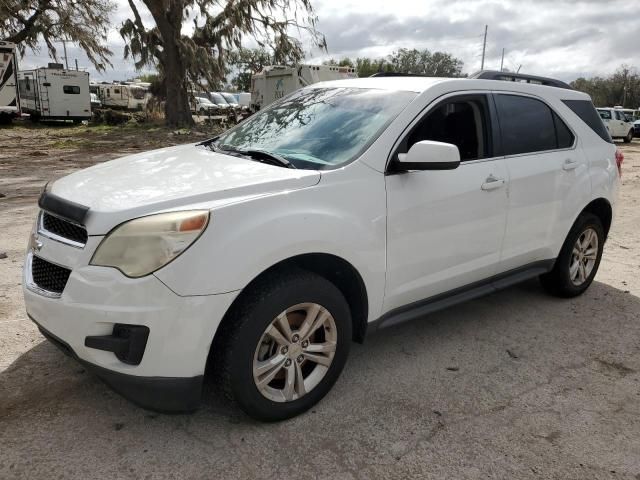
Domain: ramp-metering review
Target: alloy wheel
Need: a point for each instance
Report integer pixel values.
(583, 257)
(295, 352)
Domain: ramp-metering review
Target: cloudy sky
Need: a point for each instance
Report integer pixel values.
(561, 38)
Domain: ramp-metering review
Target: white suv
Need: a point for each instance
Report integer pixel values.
(617, 123)
(344, 208)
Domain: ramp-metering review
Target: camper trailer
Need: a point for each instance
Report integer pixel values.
(276, 81)
(9, 97)
(54, 93)
(123, 96)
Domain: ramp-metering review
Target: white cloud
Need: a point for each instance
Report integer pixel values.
(564, 38)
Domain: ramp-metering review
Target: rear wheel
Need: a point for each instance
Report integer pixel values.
(629, 137)
(283, 347)
(579, 259)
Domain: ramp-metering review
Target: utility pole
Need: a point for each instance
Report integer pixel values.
(64, 47)
(484, 46)
(502, 61)
(77, 65)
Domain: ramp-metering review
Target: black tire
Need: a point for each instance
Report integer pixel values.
(629, 137)
(242, 328)
(558, 281)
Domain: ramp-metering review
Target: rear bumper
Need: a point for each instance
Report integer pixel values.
(162, 394)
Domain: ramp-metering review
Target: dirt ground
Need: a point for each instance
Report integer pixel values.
(514, 385)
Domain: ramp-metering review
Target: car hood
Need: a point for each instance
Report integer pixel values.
(171, 178)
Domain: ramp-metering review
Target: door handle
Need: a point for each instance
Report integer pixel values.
(569, 164)
(491, 183)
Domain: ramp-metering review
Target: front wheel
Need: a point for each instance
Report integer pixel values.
(579, 259)
(284, 345)
(629, 137)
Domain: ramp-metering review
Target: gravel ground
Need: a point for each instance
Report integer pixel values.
(513, 385)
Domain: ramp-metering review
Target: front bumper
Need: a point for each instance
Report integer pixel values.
(162, 394)
(95, 299)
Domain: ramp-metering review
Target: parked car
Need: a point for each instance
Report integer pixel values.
(201, 105)
(636, 128)
(233, 101)
(617, 123)
(345, 208)
(219, 100)
(95, 101)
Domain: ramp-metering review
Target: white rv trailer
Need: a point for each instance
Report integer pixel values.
(120, 95)
(54, 93)
(9, 97)
(276, 81)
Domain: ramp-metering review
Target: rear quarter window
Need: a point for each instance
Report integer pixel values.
(588, 114)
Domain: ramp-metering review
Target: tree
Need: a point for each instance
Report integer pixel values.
(423, 62)
(368, 66)
(620, 88)
(82, 22)
(219, 26)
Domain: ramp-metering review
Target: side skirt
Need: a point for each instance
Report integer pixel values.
(468, 292)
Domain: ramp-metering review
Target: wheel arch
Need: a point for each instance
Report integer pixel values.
(337, 270)
(601, 208)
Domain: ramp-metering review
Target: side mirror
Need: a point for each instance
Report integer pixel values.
(429, 155)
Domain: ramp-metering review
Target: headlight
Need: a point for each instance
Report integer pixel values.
(141, 246)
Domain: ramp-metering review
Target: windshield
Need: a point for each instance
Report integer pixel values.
(230, 98)
(217, 98)
(319, 128)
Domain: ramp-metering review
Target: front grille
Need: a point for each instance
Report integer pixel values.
(63, 228)
(49, 276)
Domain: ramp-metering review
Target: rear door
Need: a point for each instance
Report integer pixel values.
(545, 168)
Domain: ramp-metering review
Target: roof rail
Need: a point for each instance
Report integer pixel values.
(519, 77)
(396, 74)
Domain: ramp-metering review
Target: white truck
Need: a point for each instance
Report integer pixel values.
(9, 97)
(276, 81)
(54, 93)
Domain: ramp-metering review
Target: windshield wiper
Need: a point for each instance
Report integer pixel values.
(270, 157)
(257, 155)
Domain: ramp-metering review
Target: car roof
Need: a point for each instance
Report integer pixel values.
(422, 84)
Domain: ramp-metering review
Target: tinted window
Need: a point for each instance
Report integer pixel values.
(587, 113)
(74, 89)
(461, 122)
(526, 124)
(565, 136)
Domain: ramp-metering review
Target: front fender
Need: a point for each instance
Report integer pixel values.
(344, 215)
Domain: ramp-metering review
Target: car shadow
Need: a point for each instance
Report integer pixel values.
(403, 383)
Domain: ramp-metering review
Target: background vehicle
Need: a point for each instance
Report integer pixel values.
(122, 96)
(219, 101)
(244, 99)
(348, 207)
(53, 93)
(233, 101)
(9, 96)
(617, 123)
(95, 100)
(276, 81)
(201, 105)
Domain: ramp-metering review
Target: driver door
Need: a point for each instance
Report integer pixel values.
(445, 228)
